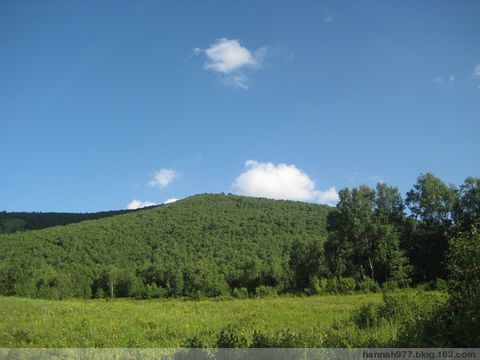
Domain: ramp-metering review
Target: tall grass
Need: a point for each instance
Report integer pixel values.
(260, 322)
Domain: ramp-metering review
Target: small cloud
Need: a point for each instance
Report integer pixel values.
(237, 81)
(328, 17)
(281, 181)
(444, 82)
(137, 204)
(476, 71)
(230, 59)
(226, 56)
(169, 201)
(163, 177)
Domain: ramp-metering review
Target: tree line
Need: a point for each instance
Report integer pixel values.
(214, 245)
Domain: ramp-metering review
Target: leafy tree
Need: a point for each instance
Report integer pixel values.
(362, 242)
(467, 208)
(307, 261)
(431, 202)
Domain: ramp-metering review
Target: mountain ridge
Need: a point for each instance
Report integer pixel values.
(210, 243)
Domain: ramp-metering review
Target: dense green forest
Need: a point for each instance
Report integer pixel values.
(206, 244)
(212, 245)
(21, 221)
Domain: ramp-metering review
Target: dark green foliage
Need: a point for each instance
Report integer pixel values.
(240, 293)
(205, 245)
(364, 235)
(264, 291)
(346, 285)
(367, 285)
(21, 221)
(456, 323)
(366, 316)
(233, 337)
(432, 203)
(467, 208)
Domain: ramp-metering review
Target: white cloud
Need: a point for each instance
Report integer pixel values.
(137, 204)
(444, 82)
(163, 177)
(281, 181)
(226, 56)
(476, 71)
(229, 59)
(169, 201)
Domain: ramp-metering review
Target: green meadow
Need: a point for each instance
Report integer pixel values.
(173, 322)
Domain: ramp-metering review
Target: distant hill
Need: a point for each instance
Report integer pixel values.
(205, 244)
(21, 221)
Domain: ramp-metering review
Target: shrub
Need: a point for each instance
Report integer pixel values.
(318, 286)
(262, 340)
(332, 286)
(285, 338)
(366, 316)
(155, 292)
(408, 305)
(240, 293)
(367, 285)
(232, 337)
(346, 285)
(440, 285)
(264, 291)
(390, 285)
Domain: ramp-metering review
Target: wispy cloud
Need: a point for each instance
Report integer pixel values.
(137, 204)
(230, 60)
(163, 177)
(476, 71)
(281, 181)
(443, 82)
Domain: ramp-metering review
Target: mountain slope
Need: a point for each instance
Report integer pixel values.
(206, 244)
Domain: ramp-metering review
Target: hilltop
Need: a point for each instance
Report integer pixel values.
(205, 244)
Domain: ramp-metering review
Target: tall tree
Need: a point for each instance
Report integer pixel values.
(362, 242)
(431, 202)
(467, 209)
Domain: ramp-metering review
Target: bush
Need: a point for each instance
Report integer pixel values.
(264, 291)
(332, 286)
(318, 286)
(285, 338)
(232, 337)
(155, 292)
(440, 285)
(346, 285)
(408, 305)
(367, 285)
(390, 285)
(366, 316)
(240, 293)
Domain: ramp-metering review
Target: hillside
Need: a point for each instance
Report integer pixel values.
(20, 221)
(205, 244)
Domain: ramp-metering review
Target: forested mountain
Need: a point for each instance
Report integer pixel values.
(206, 243)
(21, 221)
(211, 245)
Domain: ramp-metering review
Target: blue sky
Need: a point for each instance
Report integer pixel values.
(103, 103)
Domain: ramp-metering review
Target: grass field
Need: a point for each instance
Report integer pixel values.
(168, 323)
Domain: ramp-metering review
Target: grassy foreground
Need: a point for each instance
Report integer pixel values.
(167, 323)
